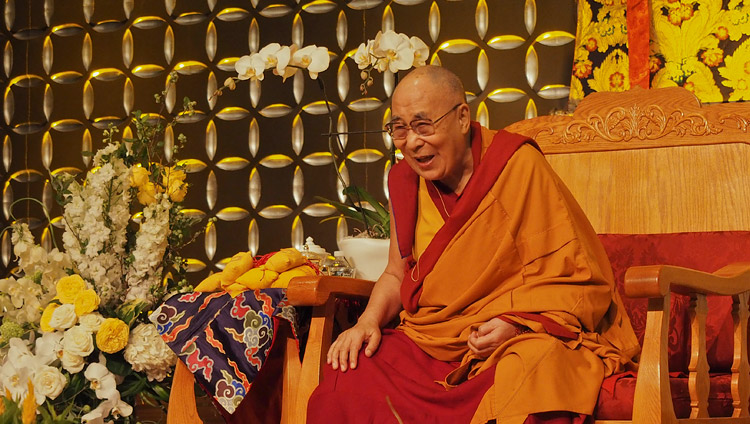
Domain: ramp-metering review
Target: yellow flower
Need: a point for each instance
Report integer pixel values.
(177, 191)
(147, 194)
(712, 57)
(170, 175)
(28, 414)
(69, 287)
(139, 176)
(87, 301)
(722, 33)
(582, 69)
(112, 336)
(46, 317)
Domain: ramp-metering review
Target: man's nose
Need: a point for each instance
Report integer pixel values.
(413, 140)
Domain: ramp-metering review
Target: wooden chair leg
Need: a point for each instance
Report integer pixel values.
(291, 376)
(318, 342)
(182, 407)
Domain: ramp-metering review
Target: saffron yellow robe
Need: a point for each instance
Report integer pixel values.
(527, 247)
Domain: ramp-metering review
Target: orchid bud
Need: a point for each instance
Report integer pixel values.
(363, 75)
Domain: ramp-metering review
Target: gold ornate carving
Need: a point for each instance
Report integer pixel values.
(626, 124)
(742, 122)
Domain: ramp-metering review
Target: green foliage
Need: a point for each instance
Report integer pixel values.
(377, 220)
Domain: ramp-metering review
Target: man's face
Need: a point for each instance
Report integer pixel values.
(440, 156)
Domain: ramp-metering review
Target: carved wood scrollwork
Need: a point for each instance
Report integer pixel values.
(742, 122)
(649, 123)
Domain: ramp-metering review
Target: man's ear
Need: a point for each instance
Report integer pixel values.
(464, 118)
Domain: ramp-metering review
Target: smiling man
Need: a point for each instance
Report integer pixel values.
(506, 300)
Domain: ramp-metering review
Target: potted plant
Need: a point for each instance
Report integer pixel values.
(388, 51)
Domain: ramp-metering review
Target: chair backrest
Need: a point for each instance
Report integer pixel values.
(645, 164)
(652, 161)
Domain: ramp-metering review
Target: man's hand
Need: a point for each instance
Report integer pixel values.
(345, 349)
(489, 336)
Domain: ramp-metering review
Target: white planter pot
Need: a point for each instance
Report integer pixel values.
(368, 256)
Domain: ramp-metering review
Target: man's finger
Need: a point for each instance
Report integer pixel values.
(344, 356)
(353, 353)
(372, 344)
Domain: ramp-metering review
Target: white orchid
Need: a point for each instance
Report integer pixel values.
(102, 381)
(313, 58)
(365, 55)
(250, 67)
(49, 347)
(115, 407)
(421, 51)
(268, 55)
(395, 51)
(15, 379)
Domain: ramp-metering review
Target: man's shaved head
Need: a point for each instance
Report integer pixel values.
(450, 85)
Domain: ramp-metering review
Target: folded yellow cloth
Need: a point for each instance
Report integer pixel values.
(238, 265)
(234, 289)
(211, 284)
(285, 259)
(283, 281)
(257, 278)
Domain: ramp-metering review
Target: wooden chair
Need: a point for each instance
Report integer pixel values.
(640, 162)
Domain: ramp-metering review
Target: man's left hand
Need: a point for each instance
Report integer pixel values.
(489, 336)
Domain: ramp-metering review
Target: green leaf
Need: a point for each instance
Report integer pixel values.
(356, 192)
(161, 393)
(117, 364)
(135, 388)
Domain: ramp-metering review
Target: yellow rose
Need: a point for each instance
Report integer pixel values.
(46, 317)
(147, 194)
(69, 287)
(112, 336)
(177, 191)
(171, 176)
(87, 301)
(139, 176)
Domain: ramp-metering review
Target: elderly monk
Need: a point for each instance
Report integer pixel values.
(508, 310)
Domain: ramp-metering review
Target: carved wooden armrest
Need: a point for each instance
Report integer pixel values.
(316, 290)
(653, 401)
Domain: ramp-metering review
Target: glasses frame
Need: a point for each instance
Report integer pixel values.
(410, 125)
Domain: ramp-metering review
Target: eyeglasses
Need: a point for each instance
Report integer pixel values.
(423, 127)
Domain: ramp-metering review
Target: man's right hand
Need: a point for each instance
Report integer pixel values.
(344, 351)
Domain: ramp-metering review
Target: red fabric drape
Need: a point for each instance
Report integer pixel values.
(639, 25)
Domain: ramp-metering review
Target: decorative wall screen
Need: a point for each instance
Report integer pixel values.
(256, 157)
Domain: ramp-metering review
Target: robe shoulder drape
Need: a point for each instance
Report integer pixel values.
(524, 249)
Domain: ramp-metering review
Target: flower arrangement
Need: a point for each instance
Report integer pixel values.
(75, 342)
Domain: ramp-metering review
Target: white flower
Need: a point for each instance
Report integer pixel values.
(151, 242)
(15, 380)
(421, 51)
(146, 351)
(78, 341)
(364, 56)
(268, 55)
(63, 317)
(314, 59)
(91, 322)
(72, 363)
(250, 67)
(102, 381)
(49, 382)
(49, 347)
(116, 407)
(395, 49)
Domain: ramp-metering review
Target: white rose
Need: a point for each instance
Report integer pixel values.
(49, 382)
(63, 317)
(146, 351)
(72, 363)
(91, 322)
(78, 341)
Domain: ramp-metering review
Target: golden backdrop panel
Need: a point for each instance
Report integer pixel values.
(255, 155)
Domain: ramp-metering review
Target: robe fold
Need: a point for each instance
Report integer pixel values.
(516, 245)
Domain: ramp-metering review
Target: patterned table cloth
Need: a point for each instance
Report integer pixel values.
(224, 341)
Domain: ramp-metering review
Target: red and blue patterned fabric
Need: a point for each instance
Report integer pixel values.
(224, 341)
